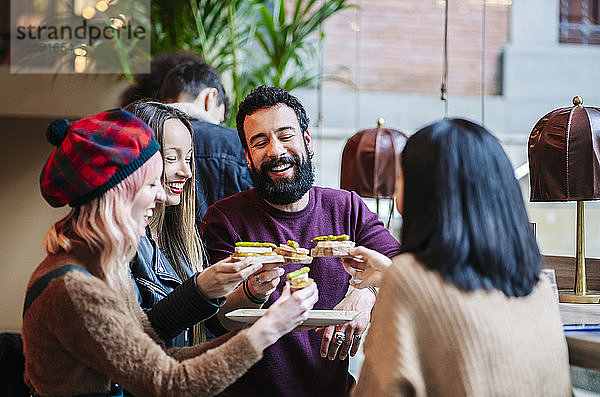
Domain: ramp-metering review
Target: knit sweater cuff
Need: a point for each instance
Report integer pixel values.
(181, 309)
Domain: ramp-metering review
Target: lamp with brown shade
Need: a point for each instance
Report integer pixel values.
(564, 165)
(371, 163)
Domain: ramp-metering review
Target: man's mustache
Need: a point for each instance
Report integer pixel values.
(285, 160)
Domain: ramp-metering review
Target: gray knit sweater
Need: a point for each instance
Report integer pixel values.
(429, 338)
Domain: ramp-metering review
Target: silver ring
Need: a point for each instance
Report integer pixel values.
(258, 280)
(356, 337)
(339, 337)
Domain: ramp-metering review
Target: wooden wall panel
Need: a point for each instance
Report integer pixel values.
(564, 267)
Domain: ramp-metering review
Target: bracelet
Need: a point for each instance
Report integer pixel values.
(251, 297)
(373, 290)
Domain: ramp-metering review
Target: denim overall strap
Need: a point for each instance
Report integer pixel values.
(41, 283)
(35, 290)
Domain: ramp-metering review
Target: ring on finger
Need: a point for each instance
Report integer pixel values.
(356, 337)
(258, 280)
(339, 337)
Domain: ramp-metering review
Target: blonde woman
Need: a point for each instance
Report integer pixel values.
(174, 290)
(84, 333)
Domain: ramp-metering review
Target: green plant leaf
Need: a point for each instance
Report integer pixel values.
(244, 41)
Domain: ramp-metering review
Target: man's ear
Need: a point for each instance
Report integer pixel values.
(210, 98)
(248, 159)
(308, 141)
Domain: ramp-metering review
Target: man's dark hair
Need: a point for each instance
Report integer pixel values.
(148, 85)
(191, 78)
(265, 97)
(463, 212)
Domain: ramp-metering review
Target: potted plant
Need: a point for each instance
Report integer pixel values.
(250, 42)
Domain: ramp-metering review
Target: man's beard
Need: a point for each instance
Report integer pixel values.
(284, 191)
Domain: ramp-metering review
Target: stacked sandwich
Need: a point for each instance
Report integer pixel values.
(299, 279)
(292, 253)
(332, 246)
(257, 252)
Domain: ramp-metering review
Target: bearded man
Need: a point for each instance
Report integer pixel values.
(284, 205)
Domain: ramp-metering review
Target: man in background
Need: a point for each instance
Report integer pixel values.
(221, 167)
(147, 85)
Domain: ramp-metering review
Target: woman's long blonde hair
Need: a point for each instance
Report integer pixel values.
(105, 226)
(175, 225)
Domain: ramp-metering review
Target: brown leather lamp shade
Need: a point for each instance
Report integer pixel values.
(564, 155)
(370, 161)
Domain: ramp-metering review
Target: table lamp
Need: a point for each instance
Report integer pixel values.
(564, 165)
(371, 162)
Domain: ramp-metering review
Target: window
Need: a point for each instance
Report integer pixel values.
(579, 21)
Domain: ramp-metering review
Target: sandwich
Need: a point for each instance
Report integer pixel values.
(257, 252)
(292, 253)
(332, 246)
(299, 279)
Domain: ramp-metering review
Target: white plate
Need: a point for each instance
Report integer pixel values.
(316, 318)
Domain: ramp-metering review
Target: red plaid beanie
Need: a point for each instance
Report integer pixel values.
(93, 155)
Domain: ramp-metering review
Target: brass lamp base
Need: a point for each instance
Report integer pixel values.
(578, 298)
(580, 292)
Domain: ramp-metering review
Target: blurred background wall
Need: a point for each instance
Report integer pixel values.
(27, 104)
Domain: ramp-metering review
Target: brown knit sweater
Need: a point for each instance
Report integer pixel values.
(429, 338)
(79, 334)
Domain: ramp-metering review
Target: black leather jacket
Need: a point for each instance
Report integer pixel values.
(172, 306)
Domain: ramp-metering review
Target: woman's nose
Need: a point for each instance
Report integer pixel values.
(185, 170)
(161, 196)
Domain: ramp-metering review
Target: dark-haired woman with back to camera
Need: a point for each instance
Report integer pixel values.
(462, 311)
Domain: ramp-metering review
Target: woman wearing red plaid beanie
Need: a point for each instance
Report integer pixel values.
(83, 330)
(171, 251)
